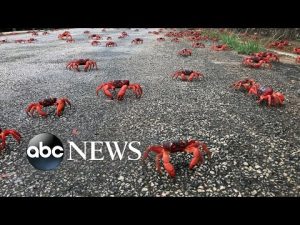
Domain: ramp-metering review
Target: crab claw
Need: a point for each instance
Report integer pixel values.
(168, 166)
(195, 75)
(60, 105)
(122, 92)
(197, 156)
(161, 153)
(278, 97)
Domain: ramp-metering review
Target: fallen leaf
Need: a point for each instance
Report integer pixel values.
(75, 132)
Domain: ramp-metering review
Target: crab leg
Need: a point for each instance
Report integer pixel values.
(3, 142)
(16, 135)
(279, 98)
(67, 101)
(40, 111)
(175, 75)
(253, 90)
(3, 135)
(73, 66)
(154, 148)
(35, 107)
(89, 65)
(183, 77)
(205, 149)
(194, 75)
(105, 88)
(159, 151)
(99, 88)
(136, 89)
(157, 161)
(265, 97)
(107, 92)
(29, 108)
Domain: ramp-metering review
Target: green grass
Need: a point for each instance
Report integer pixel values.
(249, 47)
(235, 42)
(242, 47)
(231, 40)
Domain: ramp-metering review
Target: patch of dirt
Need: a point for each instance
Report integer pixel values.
(288, 60)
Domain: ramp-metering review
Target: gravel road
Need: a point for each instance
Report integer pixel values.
(255, 148)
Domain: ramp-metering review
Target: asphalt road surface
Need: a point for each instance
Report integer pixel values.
(255, 148)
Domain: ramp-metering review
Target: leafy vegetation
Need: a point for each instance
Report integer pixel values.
(235, 42)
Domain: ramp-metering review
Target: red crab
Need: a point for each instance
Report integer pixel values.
(163, 152)
(86, 32)
(137, 41)
(175, 40)
(34, 33)
(170, 34)
(198, 45)
(30, 40)
(279, 44)
(245, 84)
(95, 43)
(155, 32)
(88, 64)
(268, 56)
(296, 50)
(267, 94)
(264, 93)
(298, 59)
(45, 33)
(256, 62)
(219, 47)
(160, 39)
(192, 75)
(123, 85)
(103, 30)
(20, 41)
(124, 34)
(95, 37)
(65, 35)
(38, 106)
(108, 38)
(4, 133)
(195, 38)
(185, 52)
(111, 44)
(3, 41)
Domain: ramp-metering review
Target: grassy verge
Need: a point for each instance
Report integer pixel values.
(242, 47)
(235, 42)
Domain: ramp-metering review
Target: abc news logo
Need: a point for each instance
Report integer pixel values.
(45, 151)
